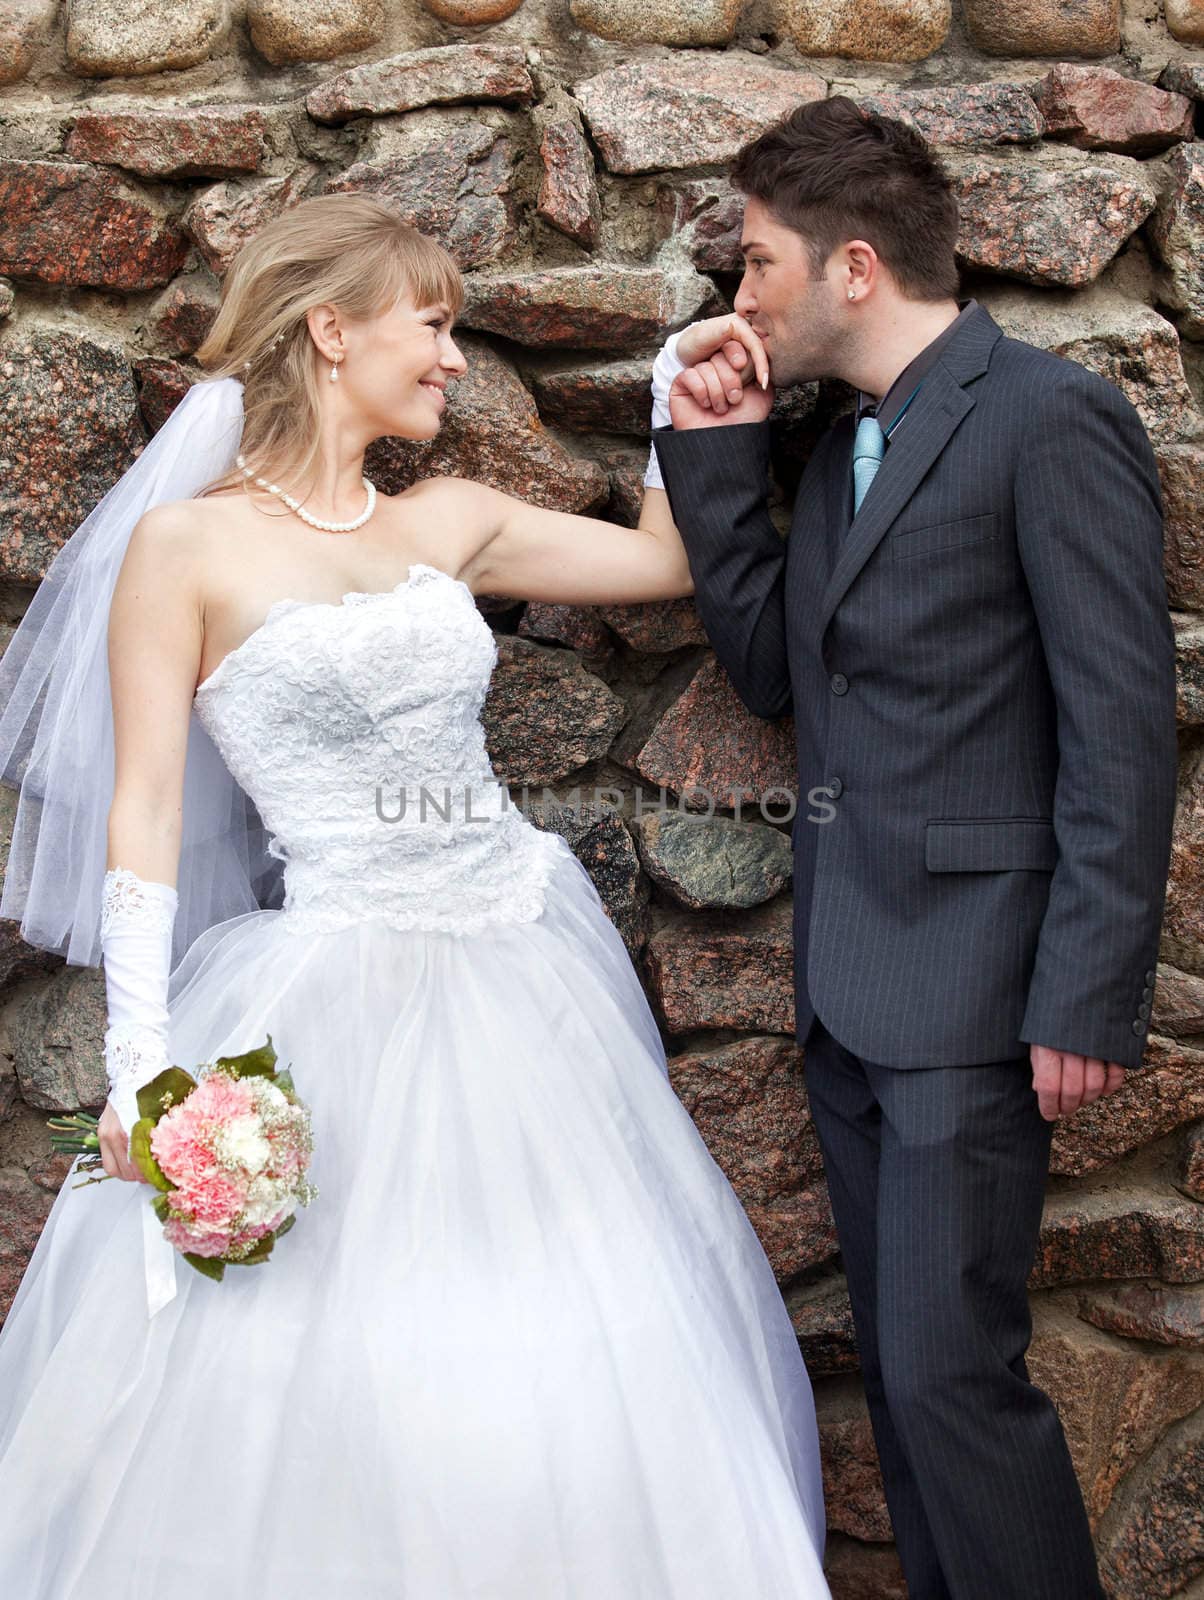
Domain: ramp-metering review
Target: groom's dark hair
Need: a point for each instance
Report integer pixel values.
(833, 172)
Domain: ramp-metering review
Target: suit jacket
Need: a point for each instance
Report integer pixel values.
(981, 669)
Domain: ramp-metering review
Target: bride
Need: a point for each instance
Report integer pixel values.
(525, 1345)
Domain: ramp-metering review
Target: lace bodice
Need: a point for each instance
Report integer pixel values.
(354, 727)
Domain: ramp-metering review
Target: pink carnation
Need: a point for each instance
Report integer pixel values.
(197, 1244)
(220, 1097)
(179, 1150)
(214, 1201)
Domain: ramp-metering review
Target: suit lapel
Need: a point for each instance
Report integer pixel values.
(931, 421)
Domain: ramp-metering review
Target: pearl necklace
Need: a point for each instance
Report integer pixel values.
(295, 505)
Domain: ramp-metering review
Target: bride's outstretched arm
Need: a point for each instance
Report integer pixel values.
(535, 554)
(154, 641)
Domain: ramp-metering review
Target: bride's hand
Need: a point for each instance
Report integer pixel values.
(730, 337)
(726, 376)
(114, 1145)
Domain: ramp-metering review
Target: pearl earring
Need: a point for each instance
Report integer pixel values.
(334, 370)
(852, 295)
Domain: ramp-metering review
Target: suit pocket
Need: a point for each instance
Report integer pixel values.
(990, 844)
(944, 536)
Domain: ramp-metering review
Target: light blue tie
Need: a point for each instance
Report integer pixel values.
(869, 446)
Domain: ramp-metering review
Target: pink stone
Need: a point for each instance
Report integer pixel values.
(1098, 109)
(709, 748)
(184, 142)
(76, 225)
(568, 194)
(221, 219)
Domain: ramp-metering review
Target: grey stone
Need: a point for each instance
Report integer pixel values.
(686, 22)
(1059, 222)
(599, 307)
(713, 861)
(23, 25)
(960, 114)
(687, 112)
(1189, 672)
(1177, 232)
(313, 30)
(1184, 77)
(1123, 340)
(68, 430)
(57, 1032)
(705, 217)
(131, 38)
(1185, 20)
(443, 75)
(458, 188)
(545, 716)
(599, 839)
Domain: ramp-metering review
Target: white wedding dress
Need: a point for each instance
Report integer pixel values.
(525, 1344)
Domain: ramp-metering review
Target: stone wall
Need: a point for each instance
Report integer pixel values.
(571, 153)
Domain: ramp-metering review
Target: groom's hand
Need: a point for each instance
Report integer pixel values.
(726, 376)
(1063, 1082)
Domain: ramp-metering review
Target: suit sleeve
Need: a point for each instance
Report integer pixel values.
(1089, 528)
(717, 480)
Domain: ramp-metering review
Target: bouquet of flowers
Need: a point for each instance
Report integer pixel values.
(228, 1150)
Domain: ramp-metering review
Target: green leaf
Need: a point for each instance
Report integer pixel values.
(210, 1266)
(161, 1206)
(286, 1225)
(257, 1063)
(284, 1081)
(261, 1251)
(172, 1080)
(140, 1155)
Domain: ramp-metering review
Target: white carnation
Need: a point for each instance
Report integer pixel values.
(241, 1143)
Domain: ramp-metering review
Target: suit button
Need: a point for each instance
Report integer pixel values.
(1150, 975)
(835, 788)
(1143, 1010)
(1147, 993)
(1139, 1026)
(839, 682)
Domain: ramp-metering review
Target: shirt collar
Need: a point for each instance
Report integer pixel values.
(915, 370)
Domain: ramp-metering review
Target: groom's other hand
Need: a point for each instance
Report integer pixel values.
(726, 376)
(1063, 1082)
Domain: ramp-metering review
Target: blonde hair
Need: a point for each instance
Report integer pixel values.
(349, 250)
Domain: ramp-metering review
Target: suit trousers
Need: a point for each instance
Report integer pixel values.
(937, 1177)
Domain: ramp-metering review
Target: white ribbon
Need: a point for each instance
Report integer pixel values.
(160, 1257)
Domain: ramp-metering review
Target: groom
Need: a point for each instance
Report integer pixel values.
(969, 622)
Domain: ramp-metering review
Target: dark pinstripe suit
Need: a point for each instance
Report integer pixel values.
(981, 670)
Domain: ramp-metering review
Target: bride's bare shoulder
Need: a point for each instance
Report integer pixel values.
(458, 508)
(185, 544)
(186, 518)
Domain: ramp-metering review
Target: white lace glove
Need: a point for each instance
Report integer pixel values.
(136, 921)
(664, 369)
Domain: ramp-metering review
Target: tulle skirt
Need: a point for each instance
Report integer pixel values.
(524, 1345)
